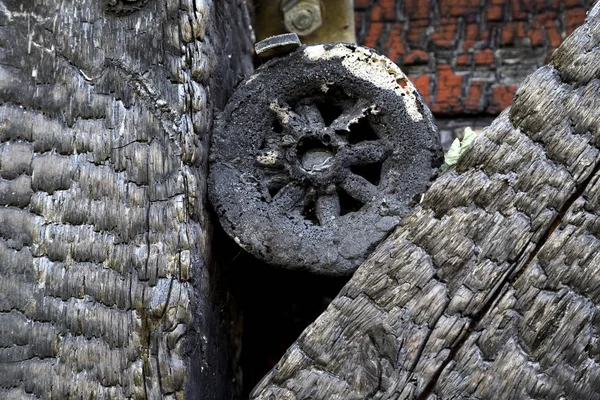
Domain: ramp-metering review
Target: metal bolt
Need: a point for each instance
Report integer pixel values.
(277, 45)
(303, 20)
(302, 16)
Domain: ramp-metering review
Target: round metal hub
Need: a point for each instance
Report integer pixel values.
(318, 156)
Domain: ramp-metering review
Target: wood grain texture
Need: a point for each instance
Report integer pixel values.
(107, 285)
(489, 289)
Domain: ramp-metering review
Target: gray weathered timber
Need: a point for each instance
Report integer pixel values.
(490, 288)
(107, 287)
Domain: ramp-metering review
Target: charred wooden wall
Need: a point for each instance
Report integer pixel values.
(107, 284)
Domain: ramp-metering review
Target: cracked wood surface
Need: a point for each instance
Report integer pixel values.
(491, 287)
(107, 287)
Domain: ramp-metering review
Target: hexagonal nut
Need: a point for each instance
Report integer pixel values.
(304, 17)
(277, 45)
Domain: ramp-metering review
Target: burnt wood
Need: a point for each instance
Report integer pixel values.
(490, 288)
(107, 289)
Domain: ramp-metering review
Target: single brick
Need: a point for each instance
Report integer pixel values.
(377, 14)
(395, 44)
(484, 57)
(416, 35)
(423, 85)
(502, 97)
(389, 7)
(384, 11)
(518, 12)
(536, 34)
(521, 29)
(445, 36)
(474, 102)
(463, 59)
(373, 34)
(458, 8)
(471, 36)
(553, 35)
(420, 22)
(447, 96)
(362, 4)
(417, 9)
(507, 35)
(484, 36)
(574, 3)
(546, 15)
(574, 18)
(494, 13)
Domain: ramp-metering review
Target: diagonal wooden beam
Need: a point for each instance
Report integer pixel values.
(490, 288)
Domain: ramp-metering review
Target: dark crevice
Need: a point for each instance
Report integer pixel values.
(275, 305)
(276, 126)
(275, 183)
(273, 190)
(348, 203)
(309, 212)
(342, 134)
(371, 172)
(512, 276)
(329, 111)
(121, 7)
(361, 131)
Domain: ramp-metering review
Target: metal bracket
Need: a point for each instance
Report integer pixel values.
(315, 21)
(277, 45)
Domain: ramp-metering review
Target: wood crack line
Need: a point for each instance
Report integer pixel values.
(511, 277)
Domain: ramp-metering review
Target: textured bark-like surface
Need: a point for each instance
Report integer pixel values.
(490, 288)
(123, 7)
(105, 270)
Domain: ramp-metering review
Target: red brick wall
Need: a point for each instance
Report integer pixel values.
(467, 56)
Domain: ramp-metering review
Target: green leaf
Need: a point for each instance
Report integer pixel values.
(458, 148)
(468, 136)
(451, 155)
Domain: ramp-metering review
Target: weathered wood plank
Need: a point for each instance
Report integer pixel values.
(107, 285)
(540, 339)
(480, 293)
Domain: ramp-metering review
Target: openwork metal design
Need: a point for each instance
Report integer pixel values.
(323, 155)
(318, 155)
